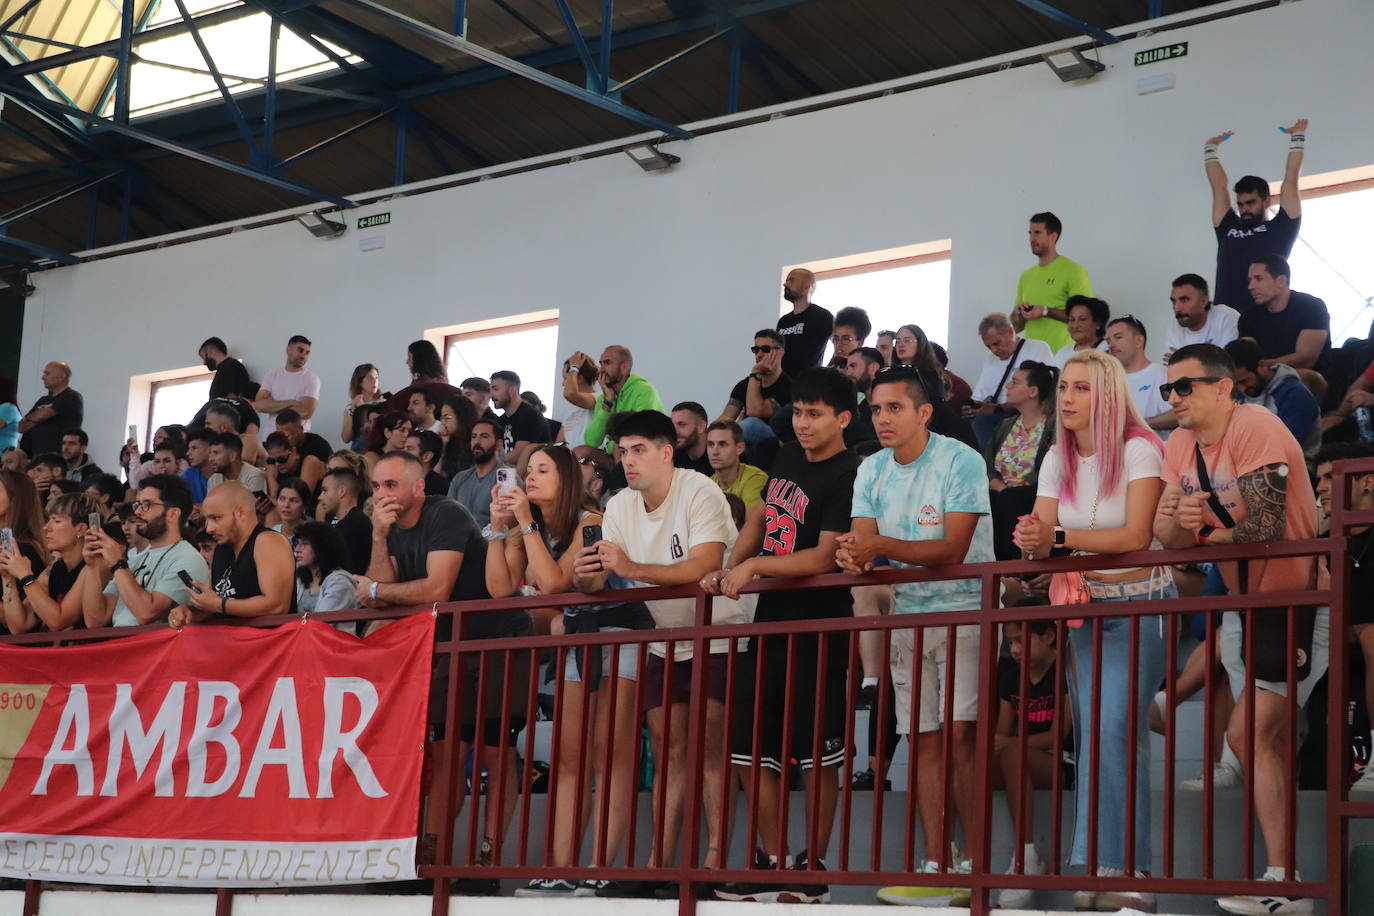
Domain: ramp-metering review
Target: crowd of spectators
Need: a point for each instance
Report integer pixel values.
(1069, 440)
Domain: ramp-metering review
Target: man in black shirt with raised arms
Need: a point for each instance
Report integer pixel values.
(807, 327)
(254, 571)
(1243, 233)
(427, 549)
(808, 502)
(53, 414)
(1290, 327)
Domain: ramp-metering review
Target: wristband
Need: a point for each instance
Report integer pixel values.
(372, 591)
(1297, 142)
(121, 564)
(224, 606)
(1210, 153)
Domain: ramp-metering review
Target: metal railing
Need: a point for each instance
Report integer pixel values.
(499, 659)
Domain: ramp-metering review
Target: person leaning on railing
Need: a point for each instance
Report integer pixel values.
(1097, 494)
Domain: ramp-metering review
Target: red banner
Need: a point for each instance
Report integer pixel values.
(215, 756)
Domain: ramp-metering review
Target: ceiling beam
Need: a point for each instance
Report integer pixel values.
(1068, 20)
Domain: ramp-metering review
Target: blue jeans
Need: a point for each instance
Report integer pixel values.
(1116, 743)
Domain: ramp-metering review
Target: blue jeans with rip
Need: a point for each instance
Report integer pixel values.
(1114, 714)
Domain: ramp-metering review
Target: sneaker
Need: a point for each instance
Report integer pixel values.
(648, 890)
(1111, 901)
(865, 780)
(1365, 784)
(1265, 905)
(1224, 776)
(590, 888)
(867, 697)
(754, 892)
(918, 896)
(794, 892)
(551, 887)
(1021, 898)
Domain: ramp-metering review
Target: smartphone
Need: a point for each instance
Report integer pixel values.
(93, 521)
(186, 580)
(7, 538)
(133, 432)
(505, 480)
(590, 535)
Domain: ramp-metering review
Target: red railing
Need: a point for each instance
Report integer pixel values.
(446, 776)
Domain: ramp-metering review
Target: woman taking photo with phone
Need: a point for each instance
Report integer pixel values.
(1098, 489)
(536, 534)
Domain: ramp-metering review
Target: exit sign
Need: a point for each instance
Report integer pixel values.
(376, 219)
(1155, 55)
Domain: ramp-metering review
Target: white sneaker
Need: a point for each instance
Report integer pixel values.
(1224, 776)
(1365, 784)
(1021, 898)
(1111, 901)
(1265, 905)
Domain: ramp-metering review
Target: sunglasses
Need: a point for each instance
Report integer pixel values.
(764, 349)
(1184, 386)
(586, 461)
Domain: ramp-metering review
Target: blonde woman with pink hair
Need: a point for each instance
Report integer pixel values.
(1098, 489)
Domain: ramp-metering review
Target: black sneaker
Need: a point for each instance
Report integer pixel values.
(867, 697)
(647, 890)
(796, 892)
(754, 892)
(864, 782)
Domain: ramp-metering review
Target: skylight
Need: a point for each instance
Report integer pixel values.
(238, 48)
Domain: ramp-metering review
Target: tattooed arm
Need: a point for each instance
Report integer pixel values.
(1265, 493)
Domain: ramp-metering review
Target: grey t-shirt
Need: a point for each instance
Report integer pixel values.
(474, 493)
(446, 525)
(155, 570)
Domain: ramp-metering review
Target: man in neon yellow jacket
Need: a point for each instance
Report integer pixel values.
(623, 391)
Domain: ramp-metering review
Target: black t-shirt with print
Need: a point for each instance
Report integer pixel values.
(1277, 332)
(801, 500)
(1039, 695)
(804, 338)
(525, 424)
(780, 392)
(1238, 244)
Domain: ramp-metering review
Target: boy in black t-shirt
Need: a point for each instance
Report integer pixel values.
(807, 502)
(1038, 651)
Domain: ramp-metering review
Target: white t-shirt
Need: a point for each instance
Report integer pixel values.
(288, 386)
(1143, 459)
(575, 425)
(1144, 387)
(1220, 329)
(1035, 351)
(1061, 356)
(695, 512)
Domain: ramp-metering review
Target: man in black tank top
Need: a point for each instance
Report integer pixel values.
(253, 574)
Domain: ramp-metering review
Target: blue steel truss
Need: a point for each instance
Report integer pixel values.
(88, 149)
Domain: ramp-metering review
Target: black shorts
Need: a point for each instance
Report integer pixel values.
(814, 692)
(680, 690)
(492, 685)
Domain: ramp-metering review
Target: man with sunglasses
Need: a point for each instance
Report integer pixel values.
(1126, 339)
(1234, 474)
(754, 399)
(126, 593)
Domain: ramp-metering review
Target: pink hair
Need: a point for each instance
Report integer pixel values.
(1114, 421)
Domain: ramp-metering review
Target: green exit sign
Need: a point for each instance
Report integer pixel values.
(376, 219)
(1155, 55)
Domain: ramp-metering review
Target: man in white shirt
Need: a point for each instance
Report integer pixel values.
(295, 387)
(226, 455)
(671, 526)
(1199, 321)
(1126, 341)
(1006, 352)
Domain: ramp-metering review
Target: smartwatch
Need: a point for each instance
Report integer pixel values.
(1204, 533)
(1059, 536)
(26, 581)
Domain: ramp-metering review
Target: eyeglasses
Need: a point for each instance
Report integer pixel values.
(906, 340)
(764, 349)
(1184, 386)
(843, 338)
(139, 505)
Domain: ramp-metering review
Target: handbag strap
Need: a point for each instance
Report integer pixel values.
(1006, 374)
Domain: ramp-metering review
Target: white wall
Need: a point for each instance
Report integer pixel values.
(682, 266)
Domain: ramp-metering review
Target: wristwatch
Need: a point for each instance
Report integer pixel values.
(372, 591)
(26, 581)
(121, 564)
(1204, 533)
(531, 528)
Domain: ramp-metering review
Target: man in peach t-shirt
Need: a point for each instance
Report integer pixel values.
(1256, 469)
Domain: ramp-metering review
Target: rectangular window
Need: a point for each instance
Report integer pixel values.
(896, 286)
(175, 401)
(1330, 259)
(525, 345)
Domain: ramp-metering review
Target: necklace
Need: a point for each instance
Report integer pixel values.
(1369, 539)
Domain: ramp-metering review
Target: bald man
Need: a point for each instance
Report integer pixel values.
(254, 571)
(806, 329)
(622, 391)
(53, 414)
